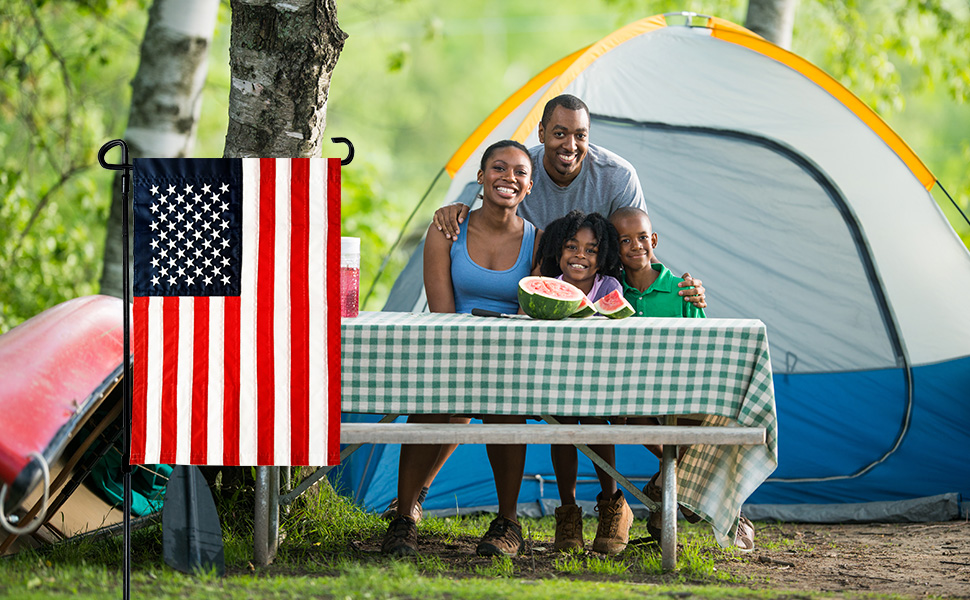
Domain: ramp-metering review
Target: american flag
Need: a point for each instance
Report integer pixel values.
(236, 318)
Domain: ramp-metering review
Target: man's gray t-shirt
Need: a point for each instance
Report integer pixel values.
(605, 183)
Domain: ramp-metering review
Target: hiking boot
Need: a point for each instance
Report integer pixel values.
(569, 528)
(401, 537)
(615, 518)
(655, 525)
(744, 540)
(503, 538)
(655, 493)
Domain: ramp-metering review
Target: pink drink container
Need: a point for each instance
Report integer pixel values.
(349, 276)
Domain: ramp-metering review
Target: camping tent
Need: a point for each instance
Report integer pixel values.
(796, 204)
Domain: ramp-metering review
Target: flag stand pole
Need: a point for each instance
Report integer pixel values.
(125, 167)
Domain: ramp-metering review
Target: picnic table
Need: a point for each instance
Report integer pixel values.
(719, 369)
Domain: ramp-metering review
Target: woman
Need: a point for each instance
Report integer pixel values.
(481, 268)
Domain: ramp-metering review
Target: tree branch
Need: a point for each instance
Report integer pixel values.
(64, 178)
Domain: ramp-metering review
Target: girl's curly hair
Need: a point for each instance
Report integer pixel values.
(563, 229)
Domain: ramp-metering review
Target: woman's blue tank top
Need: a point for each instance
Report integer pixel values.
(478, 287)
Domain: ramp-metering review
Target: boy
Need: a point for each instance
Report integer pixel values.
(652, 291)
(648, 285)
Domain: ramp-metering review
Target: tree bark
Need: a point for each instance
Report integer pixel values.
(166, 100)
(773, 20)
(281, 56)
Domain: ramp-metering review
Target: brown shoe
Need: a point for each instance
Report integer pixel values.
(401, 537)
(655, 493)
(615, 518)
(503, 538)
(569, 528)
(655, 525)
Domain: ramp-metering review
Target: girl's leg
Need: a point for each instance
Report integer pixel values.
(607, 483)
(565, 465)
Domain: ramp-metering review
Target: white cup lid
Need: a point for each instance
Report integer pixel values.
(349, 245)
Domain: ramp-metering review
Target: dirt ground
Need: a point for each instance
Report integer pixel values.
(914, 559)
(910, 560)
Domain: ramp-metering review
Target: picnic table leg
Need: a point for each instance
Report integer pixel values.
(668, 544)
(266, 518)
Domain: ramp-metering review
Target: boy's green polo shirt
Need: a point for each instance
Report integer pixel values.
(661, 299)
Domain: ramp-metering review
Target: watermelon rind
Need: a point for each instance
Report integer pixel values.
(585, 309)
(621, 308)
(538, 305)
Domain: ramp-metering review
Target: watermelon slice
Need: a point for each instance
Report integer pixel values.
(585, 308)
(614, 306)
(548, 298)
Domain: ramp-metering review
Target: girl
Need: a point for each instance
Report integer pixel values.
(584, 250)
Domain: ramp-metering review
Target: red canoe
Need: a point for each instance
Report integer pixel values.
(54, 370)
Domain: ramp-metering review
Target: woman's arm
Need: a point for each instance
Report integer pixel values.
(535, 252)
(437, 272)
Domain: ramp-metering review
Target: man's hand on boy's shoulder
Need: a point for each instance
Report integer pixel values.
(447, 218)
(695, 292)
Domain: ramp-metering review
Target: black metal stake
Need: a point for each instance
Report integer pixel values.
(125, 167)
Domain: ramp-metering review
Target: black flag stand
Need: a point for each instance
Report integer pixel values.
(125, 168)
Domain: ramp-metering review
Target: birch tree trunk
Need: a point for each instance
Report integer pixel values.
(166, 100)
(281, 55)
(772, 20)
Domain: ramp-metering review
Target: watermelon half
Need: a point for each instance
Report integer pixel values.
(614, 306)
(548, 298)
(585, 309)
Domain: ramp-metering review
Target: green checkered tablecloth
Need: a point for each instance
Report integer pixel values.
(410, 363)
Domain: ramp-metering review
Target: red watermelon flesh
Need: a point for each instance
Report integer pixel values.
(614, 306)
(585, 309)
(547, 298)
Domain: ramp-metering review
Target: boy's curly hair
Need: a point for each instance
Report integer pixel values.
(563, 229)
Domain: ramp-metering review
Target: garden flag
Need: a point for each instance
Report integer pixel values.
(236, 320)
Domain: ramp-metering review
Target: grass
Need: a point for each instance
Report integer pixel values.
(321, 557)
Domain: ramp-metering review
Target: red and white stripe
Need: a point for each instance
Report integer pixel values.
(254, 379)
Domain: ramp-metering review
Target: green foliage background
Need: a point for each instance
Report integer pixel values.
(415, 78)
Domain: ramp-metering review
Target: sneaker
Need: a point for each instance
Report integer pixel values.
(401, 537)
(615, 518)
(744, 540)
(391, 511)
(569, 528)
(503, 538)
